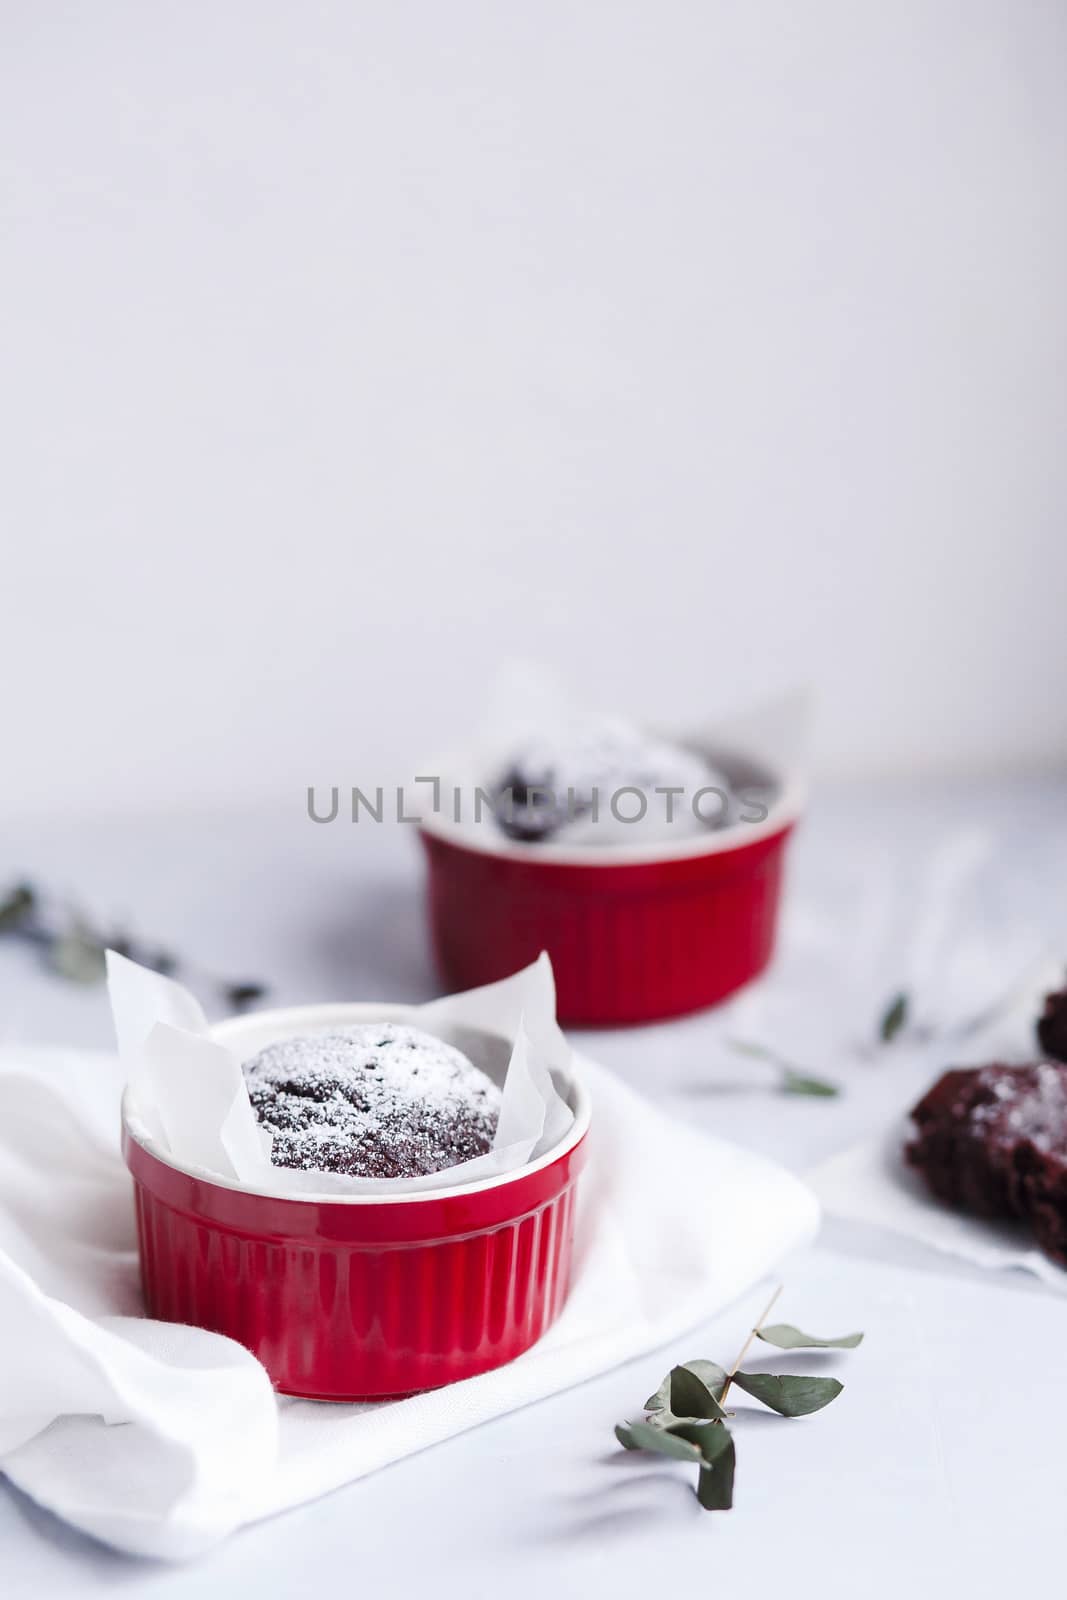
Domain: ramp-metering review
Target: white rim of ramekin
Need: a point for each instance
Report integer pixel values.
(782, 813)
(329, 1015)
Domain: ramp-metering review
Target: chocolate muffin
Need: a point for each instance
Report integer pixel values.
(373, 1100)
(1052, 1026)
(562, 788)
(993, 1141)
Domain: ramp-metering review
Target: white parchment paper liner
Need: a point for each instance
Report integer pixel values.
(871, 1182)
(187, 1092)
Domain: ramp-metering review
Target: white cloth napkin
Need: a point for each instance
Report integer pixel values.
(162, 1439)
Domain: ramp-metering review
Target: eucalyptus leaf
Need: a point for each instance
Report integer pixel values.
(79, 956)
(689, 1395)
(789, 1395)
(709, 1372)
(710, 1438)
(645, 1436)
(17, 905)
(794, 1079)
(715, 1484)
(894, 1017)
(786, 1337)
(748, 1047)
(804, 1083)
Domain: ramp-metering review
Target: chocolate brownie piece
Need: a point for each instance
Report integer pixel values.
(1052, 1025)
(993, 1141)
(375, 1100)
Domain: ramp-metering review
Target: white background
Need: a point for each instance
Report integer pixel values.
(699, 347)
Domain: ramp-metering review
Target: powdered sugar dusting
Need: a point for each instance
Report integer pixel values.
(564, 784)
(1028, 1102)
(377, 1100)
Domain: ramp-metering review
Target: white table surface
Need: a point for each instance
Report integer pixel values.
(940, 1464)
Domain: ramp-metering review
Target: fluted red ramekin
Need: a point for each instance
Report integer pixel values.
(635, 934)
(359, 1297)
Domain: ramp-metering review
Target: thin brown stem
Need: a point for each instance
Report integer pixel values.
(743, 1352)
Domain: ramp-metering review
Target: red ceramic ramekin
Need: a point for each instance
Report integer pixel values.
(634, 933)
(359, 1297)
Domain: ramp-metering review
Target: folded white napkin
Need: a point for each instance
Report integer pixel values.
(162, 1439)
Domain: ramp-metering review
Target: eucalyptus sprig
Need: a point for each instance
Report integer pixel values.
(74, 947)
(686, 1417)
(792, 1079)
(898, 1019)
(895, 1016)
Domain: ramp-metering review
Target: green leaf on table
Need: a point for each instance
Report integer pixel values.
(749, 1047)
(79, 955)
(803, 1083)
(794, 1079)
(715, 1484)
(646, 1436)
(710, 1438)
(711, 1375)
(785, 1337)
(789, 1395)
(690, 1396)
(894, 1017)
(17, 905)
